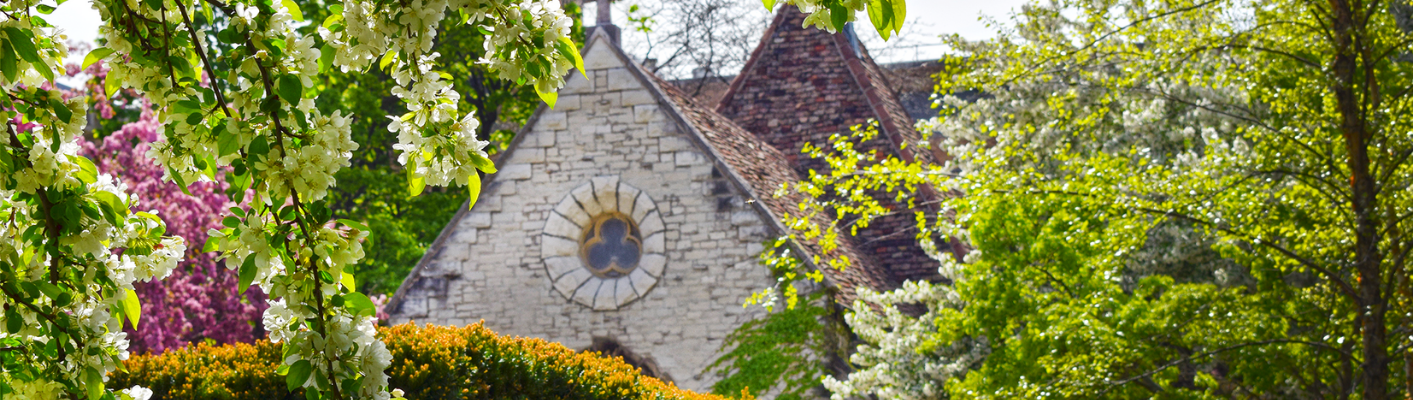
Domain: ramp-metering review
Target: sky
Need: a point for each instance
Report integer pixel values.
(928, 18)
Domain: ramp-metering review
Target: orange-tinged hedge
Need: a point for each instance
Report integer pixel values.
(429, 362)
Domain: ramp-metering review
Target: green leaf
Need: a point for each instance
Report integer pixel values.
(326, 58)
(247, 274)
(483, 163)
(13, 321)
(112, 205)
(49, 290)
(838, 16)
(8, 65)
(95, 55)
(88, 173)
(386, 60)
(226, 143)
(131, 307)
(23, 42)
(293, 9)
(182, 66)
(348, 281)
(111, 86)
(880, 13)
(473, 187)
(259, 147)
(45, 9)
(769, 4)
(61, 110)
(567, 48)
(359, 304)
(354, 224)
(24, 46)
(298, 374)
(549, 97)
(290, 89)
(93, 381)
(181, 182)
(415, 184)
(900, 13)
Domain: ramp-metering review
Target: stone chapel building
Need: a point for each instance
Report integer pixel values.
(629, 218)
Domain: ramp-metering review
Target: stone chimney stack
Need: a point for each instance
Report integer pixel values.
(604, 20)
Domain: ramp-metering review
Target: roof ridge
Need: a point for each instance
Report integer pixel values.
(751, 61)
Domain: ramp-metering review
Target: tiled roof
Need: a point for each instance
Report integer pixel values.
(761, 170)
(803, 85)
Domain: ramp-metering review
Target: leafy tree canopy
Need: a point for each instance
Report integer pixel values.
(1175, 199)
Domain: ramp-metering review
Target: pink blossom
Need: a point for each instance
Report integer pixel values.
(198, 301)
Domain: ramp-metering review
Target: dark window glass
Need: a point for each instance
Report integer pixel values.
(611, 247)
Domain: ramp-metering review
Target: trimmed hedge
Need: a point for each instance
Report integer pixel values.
(430, 362)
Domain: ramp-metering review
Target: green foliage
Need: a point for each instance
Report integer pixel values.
(374, 188)
(783, 349)
(1186, 199)
(887, 16)
(430, 362)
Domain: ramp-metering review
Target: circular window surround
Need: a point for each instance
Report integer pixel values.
(560, 244)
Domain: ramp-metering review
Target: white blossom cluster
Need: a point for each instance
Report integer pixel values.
(436, 143)
(289, 150)
(892, 365)
(95, 323)
(28, 74)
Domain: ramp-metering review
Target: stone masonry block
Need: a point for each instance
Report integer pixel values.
(530, 155)
(477, 220)
(553, 120)
(542, 138)
(557, 267)
(627, 198)
(685, 158)
(645, 206)
(601, 57)
(641, 281)
(585, 196)
(636, 97)
(643, 113)
(744, 217)
(515, 172)
(651, 224)
(623, 291)
(621, 79)
(558, 247)
(567, 103)
(586, 292)
(604, 298)
(577, 84)
(653, 264)
(654, 243)
(673, 143)
(558, 225)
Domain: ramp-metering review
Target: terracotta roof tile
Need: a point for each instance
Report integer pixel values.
(763, 168)
(803, 85)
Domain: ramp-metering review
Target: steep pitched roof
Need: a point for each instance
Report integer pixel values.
(759, 170)
(802, 85)
(755, 168)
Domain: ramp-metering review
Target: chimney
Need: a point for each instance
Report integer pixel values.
(604, 21)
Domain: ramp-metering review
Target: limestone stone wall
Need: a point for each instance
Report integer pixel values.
(607, 128)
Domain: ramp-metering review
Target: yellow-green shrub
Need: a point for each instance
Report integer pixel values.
(429, 362)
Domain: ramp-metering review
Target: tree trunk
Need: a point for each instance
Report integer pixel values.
(1364, 193)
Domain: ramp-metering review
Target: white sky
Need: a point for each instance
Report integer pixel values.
(927, 19)
(934, 17)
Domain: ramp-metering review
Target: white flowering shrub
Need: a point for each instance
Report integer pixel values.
(231, 83)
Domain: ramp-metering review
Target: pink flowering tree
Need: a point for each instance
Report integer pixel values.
(199, 300)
